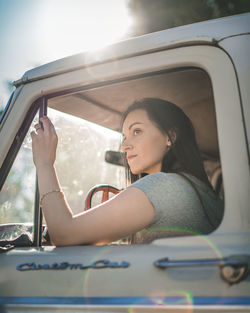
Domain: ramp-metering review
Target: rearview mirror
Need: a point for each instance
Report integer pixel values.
(114, 157)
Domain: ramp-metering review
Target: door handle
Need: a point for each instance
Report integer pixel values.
(233, 268)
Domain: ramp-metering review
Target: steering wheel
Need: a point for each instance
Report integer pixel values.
(106, 189)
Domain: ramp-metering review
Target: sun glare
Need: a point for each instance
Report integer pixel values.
(76, 26)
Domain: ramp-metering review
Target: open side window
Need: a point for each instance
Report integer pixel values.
(87, 120)
(103, 104)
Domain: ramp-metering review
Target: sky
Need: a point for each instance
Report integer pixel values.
(35, 32)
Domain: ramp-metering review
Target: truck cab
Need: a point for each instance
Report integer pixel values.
(205, 69)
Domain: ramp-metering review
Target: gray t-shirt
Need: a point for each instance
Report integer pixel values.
(178, 208)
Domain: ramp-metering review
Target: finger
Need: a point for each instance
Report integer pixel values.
(48, 125)
(38, 126)
(45, 118)
(33, 135)
(38, 129)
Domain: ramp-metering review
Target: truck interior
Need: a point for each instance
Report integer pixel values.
(189, 88)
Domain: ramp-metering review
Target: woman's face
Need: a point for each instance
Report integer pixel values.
(145, 145)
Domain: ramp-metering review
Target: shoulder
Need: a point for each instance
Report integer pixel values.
(171, 195)
(161, 180)
(165, 189)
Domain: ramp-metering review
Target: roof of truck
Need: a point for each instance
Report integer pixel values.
(209, 32)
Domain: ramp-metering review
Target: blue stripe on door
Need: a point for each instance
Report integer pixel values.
(125, 300)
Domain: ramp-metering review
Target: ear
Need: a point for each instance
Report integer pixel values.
(171, 137)
(168, 142)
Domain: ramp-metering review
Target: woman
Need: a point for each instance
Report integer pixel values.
(174, 194)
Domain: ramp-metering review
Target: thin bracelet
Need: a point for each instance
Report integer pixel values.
(49, 192)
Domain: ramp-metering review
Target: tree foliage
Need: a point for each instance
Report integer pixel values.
(151, 16)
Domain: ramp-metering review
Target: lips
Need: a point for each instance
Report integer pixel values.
(131, 156)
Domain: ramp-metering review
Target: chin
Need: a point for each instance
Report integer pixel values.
(135, 171)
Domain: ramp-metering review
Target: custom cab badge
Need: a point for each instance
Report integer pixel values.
(32, 266)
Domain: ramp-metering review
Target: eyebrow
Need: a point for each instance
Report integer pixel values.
(134, 124)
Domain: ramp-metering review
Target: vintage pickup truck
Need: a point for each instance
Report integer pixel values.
(205, 69)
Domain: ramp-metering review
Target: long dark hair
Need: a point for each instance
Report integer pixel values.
(183, 155)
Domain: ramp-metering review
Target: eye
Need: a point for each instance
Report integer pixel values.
(137, 131)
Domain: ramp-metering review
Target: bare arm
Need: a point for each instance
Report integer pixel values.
(126, 213)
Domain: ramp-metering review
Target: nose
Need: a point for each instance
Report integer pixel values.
(126, 145)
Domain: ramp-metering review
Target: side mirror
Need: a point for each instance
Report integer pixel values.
(114, 157)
